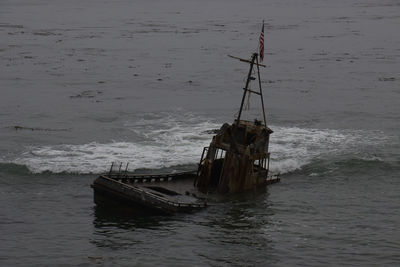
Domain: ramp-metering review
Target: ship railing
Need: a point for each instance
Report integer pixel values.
(119, 172)
(263, 162)
(202, 159)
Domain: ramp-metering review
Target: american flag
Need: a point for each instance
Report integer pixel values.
(262, 43)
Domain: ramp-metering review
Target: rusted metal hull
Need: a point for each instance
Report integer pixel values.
(236, 160)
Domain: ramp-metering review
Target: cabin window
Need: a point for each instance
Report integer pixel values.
(216, 168)
(220, 154)
(250, 138)
(216, 172)
(240, 135)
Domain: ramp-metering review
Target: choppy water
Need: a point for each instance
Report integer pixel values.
(85, 83)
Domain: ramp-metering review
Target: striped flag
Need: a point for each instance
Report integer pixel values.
(262, 43)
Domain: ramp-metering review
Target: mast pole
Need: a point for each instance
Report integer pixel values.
(261, 95)
(247, 85)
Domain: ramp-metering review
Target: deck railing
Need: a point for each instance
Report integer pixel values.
(118, 171)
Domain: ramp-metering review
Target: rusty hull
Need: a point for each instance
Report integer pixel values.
(237, 158)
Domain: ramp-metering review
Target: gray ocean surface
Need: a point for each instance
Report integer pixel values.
(86, 83)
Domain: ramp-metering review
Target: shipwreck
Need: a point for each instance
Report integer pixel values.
(236, 160)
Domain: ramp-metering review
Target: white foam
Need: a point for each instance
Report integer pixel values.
(167, 141)
(293, 147)
(165, 147)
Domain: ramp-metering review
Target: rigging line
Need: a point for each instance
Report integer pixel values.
(248, 100)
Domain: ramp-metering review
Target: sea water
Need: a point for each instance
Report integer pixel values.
(87, 83)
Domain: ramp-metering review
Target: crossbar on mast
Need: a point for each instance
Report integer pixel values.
(246, 60)
(253, 61)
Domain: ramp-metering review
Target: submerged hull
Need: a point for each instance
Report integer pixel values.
(160, 194)
(165, 194)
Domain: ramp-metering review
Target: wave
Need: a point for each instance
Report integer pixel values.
(14, 169)
(160, 144)
(168, 141)
(293, 147)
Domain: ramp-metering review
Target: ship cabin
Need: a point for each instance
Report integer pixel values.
(237, 158)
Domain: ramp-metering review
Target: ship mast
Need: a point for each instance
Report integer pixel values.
(253, 61)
